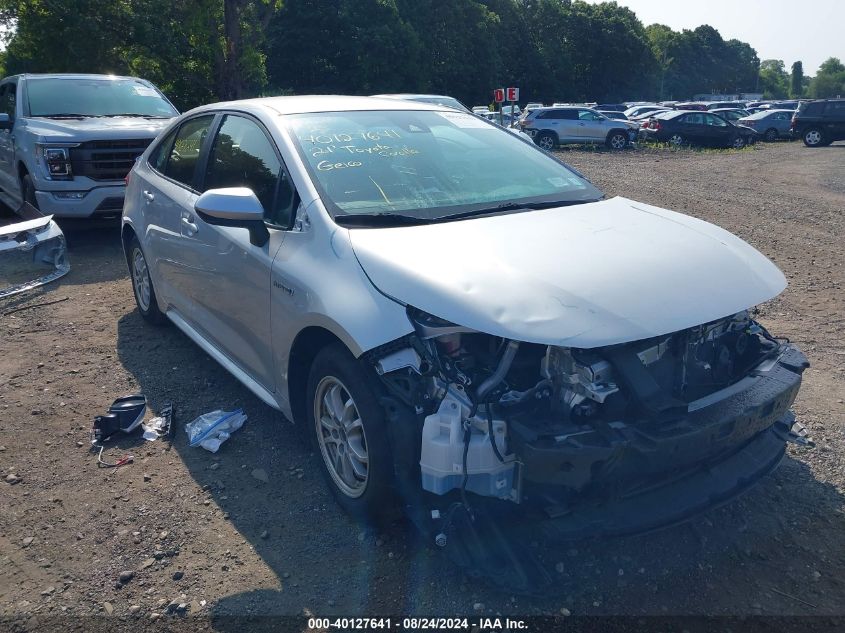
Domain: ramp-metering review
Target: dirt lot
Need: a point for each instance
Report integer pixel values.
(254, 530)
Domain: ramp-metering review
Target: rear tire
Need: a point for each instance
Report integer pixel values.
(677, 140)
(348, 430)
(142, 284)
(546, 141)
(813, 137)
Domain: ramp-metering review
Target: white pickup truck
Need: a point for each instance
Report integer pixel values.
(68, 141)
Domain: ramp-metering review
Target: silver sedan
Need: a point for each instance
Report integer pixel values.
(457, 319)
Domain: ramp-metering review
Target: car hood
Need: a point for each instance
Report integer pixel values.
(585, 276)
(95, 128)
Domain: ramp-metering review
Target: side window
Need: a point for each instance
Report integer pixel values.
(8, 94)
(243, 156)
(814, 108)
(183, 157)
(714, 120)
(569, 115)
(587, 115)
(835, 108)
(158, 157)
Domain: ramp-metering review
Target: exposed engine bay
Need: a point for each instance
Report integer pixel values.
(543, 423)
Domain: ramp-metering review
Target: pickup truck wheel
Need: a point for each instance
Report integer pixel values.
(771, 135)
(28, 191)
(546, 141)
(813, 137)
(142, 285)
(349, 431)
(617, 140)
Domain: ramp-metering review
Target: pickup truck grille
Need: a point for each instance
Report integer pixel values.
(107, 160)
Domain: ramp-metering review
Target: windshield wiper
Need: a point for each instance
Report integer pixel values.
(135, 114)
(384, 219)
(512, 206)
(62, 115)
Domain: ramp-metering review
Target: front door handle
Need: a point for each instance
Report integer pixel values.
(189, 227)
(149, 196)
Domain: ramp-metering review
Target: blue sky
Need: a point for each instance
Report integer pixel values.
(806, 30)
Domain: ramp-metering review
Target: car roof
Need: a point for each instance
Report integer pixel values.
(74, 76)
(323, 103)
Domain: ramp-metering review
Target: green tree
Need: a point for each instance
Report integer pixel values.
(774, 80)
(796, 80)
(829, 81)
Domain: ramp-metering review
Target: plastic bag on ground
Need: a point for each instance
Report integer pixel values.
(211, 429)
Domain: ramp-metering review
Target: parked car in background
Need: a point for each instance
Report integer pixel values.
(423, 314)
(510, 114)
(639, 119)
(684, 127)
(480, 109)
(445, 100)
(550, 127)
(614, 114)
(691, 105)
(769, 124)
(731, 114)
(819, 123)
(610, 107)
(638, 110)
(532, 105)
(725, 105)
(67, 141)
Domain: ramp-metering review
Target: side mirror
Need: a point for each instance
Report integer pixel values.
(234, 206)
(5, 121)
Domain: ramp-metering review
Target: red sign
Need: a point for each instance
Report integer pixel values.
(513, 94)
(499, 95)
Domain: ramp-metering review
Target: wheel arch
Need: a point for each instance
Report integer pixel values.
(305, 347)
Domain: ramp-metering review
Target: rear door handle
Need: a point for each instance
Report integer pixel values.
(149, 196)
(189, 227)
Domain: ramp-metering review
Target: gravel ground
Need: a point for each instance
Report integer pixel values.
(253, 528)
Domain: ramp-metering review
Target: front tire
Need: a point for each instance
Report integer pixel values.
(142, 284)
(28, 191)
(348, 430)
(771, 135)
(617, 140)
(813, 137)
(738, 142)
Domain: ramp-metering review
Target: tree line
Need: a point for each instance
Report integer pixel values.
(555, 50)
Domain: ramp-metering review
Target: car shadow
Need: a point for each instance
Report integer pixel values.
(270, 487)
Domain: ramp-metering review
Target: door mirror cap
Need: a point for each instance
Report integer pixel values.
(234, 206)
(5, 121)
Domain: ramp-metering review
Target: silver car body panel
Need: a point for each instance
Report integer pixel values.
(32, 253)
(588, 274)
(584, 276)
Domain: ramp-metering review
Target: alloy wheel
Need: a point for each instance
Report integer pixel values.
(546, 142)
(813, 137)
(738, 143)
(141, 280)
(676, 139)
(341, 437)
(618, 141)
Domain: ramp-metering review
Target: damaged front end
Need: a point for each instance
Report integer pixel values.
(32, 253)
(586, 442)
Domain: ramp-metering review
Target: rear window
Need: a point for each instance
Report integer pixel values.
(813, 108)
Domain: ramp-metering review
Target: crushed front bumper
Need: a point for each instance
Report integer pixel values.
(635, 477)
(32, 253)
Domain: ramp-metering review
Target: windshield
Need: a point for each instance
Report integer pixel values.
(427, 164)
(52, 96)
